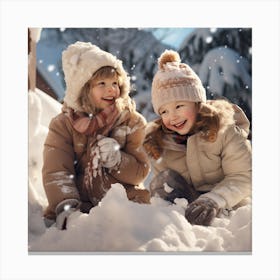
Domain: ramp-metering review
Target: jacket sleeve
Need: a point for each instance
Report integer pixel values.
(236, 163)
(58, 170)
(134, 166)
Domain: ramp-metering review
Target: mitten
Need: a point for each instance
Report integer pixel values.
(202, 211)
(63, 210)
(153, 140)
(138, 195)
(109, 152)
(169, 184)
(152, 148)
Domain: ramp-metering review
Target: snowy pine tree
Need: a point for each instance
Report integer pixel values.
(222, 59)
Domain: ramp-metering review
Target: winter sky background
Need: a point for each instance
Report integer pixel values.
(16, 16)
(221, 57)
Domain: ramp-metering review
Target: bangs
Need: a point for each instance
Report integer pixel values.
(106, 72)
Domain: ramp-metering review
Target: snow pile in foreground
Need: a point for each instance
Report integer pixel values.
(117, 224)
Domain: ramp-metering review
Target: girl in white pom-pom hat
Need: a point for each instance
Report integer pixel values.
(198, 149)
(96, 140)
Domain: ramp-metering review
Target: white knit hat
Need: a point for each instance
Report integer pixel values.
(175, 81)
(79, 62)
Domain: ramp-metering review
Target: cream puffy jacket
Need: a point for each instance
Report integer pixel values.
(221, 169)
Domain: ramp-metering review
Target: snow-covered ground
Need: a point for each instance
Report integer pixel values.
(117, 224)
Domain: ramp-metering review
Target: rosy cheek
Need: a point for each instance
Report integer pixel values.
(187, 114)
(190, 115)
(165, 122)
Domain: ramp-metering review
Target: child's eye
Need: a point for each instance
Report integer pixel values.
(179, 106)
(162, 112)
(101, 83)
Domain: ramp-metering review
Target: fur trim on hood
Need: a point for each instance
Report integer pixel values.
(229, 114)
(80, 61)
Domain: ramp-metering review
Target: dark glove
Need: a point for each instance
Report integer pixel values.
(181, 188)
(63, 210)
(202, 211)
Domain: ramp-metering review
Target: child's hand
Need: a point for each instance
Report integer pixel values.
(138, 195)
(109, 152)
(202, 211)
(153, 144)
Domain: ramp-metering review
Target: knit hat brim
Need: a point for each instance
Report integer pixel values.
(189, 93)
(175, 81)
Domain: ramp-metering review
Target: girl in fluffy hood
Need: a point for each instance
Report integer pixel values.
(96, 140)
(198, 149)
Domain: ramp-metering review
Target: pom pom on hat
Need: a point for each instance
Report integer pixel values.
(168, 56)
(175, 81)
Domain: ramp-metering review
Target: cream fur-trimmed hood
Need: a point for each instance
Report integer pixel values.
(79, 62)
(230, 114)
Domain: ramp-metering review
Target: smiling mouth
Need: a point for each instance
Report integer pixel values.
(108, 99)
(180, 125)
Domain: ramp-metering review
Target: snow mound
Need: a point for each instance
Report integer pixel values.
(41, 109)
(119, 225)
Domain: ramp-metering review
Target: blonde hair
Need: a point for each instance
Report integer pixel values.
(207, 122)
(104, 72)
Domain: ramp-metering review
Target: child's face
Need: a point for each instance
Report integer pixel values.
(104, 92)
(179, 116)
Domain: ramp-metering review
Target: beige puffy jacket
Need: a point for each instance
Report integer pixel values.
(222, 168)
(66, 154)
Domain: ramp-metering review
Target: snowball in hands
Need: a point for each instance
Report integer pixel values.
(109, 152)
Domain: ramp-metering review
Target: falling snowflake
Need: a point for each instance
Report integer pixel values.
(116, 147)
(209, 39)
(51, 67)
(66, 207)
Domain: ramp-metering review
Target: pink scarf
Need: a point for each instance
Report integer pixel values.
(102, 123)
(88, 125)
